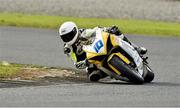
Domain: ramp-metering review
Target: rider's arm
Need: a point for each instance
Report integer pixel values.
(115, 30)
(68, 50)
(78, 60)
(88, 33)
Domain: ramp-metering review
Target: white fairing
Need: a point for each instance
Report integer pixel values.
(98, 44)
(134, 54)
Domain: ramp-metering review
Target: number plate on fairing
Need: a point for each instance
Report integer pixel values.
(99, 44)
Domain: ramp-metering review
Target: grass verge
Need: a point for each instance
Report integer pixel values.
(32, 72)
(9, 71)
(128, 26)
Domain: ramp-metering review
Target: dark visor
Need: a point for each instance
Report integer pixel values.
(69, 36)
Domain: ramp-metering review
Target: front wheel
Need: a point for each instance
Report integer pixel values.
(150, 75)
(126, 70)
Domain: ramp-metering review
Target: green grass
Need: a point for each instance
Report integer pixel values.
(128, 26)
(9, 70)
(12, 71)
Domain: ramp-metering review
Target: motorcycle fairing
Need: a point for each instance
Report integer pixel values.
(98, 47)
(116, 41)
(134, 54)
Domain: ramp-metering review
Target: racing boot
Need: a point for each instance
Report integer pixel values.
(141, 50)
(95, 75)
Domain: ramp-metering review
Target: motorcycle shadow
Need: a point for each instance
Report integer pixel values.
(21, 83)
(158, 84)
(41, 82)
(118, 82)
(163, 84)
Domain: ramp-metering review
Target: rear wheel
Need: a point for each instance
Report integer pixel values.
(126, 70)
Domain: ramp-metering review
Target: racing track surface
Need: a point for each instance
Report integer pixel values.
(43, 47)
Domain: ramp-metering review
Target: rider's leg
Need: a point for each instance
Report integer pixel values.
(94, 74)
(117, 32)
(140, 50)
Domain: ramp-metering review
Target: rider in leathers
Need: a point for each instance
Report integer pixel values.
(75, 38)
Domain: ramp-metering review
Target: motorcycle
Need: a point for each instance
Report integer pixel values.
(117, 58)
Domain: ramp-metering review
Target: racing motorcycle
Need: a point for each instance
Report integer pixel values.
(117, 58)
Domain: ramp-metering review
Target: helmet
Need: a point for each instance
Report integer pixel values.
(68, 32)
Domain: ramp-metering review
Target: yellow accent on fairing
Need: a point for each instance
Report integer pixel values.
(114, 69)
(114, 40)
(105, 38)
(120, 56)
(96, 62)
(92, 54)
(123, 58)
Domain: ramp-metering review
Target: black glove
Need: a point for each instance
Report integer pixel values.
(81, 30)
(67, 50)
(114, 30)
(82, 64)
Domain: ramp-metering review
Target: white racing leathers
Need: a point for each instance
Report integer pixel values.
(86, 37)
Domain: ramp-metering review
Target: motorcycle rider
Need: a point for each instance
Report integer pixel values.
(74, 40)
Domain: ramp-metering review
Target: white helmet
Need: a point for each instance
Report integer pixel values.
(68, 32)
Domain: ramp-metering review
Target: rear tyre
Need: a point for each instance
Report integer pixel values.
(126, 70)
(149, 76)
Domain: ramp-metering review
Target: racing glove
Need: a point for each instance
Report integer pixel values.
(114, 30)
(67, 50)
(81, 64)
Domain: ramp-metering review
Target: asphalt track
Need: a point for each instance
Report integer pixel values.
(43, 47)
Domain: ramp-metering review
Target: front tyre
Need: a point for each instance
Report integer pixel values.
(126, 70)
(149, 76)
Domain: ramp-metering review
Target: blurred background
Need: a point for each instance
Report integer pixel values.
(154, 24)
(163, 10)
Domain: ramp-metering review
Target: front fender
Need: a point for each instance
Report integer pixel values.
(134, 54)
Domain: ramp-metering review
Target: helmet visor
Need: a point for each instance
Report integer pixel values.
(69, 36)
